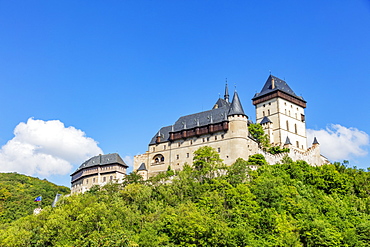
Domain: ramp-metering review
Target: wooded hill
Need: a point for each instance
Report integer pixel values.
(208, 204)
(18, 192)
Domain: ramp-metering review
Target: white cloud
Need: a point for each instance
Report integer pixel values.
(339, 143)
(129, 160)
(46, 148)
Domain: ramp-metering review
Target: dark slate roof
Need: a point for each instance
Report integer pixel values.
(265, 120)
(280, 85)
(315, 141)
(221, 103)
(236, 107)
(103, 160)
(287, 141)
(142, 167)
(216, 115)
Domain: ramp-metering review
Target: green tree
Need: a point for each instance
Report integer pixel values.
(207, 163)
(257, 132)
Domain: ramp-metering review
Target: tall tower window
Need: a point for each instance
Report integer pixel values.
(295, 128)
(287, 125)
(268, 112)
(297, 144)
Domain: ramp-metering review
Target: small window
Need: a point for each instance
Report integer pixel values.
(297, 144)
(222, 136)
(93, 180)
(207, 139)
(87, 181)
(215, 138)
(295, 128)
(111, 178)
(153, 149)
(179, 144)
(164, 147)
(177, 156)
(191, 142)
(287, 125)
(302, 118)
(263, 113)
(104, 179)
(268, 112)
(204, 139)
(219, 150)
(187, 155)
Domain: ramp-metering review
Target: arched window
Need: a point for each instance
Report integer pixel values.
(158, 159)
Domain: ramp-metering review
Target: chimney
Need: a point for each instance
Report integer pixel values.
(272, 83)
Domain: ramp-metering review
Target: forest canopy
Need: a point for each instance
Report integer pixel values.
(288, 204)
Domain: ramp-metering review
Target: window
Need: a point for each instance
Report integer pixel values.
(219, 150)
(179, 144)
(164, 147)
(287, 125)
(295, 128)
(297, 144)
(93, 180)
(87, 181)
(111, 178)
(204, 139)
(153, 149)
(207, 139)
(191, 142)
(215, 138)
(263, 113)
(222, 136)
(158, 159)
(104, 179)
(302, 118)
(268, 112)
(187, 155)
(177, 156)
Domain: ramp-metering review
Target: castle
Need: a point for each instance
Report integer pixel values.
(98, 170)
(225, 128)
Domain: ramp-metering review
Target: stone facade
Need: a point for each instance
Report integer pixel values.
(225, 128)
(98, 170)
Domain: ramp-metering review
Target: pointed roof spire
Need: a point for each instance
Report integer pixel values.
(265, 120)
(236, 107)
(142, 167)
(226, 96)
(315, 141)
(287, 141)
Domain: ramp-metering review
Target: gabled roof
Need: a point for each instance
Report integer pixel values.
(221, 103)
(236, 107)
(102, 160)
(218, 114)
(142, 167)
(265, 120)
(278, 85)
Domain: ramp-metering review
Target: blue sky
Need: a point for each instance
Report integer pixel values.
(114, 72)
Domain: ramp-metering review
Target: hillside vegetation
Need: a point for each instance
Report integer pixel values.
(17, 194)
(208, 204)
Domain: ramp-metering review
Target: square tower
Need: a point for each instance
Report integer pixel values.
(281, 113)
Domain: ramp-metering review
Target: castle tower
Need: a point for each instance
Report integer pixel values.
(284, 111)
